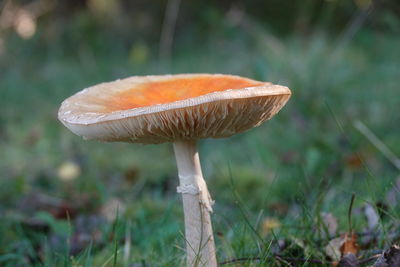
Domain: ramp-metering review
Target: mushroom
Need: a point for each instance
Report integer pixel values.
(180, 109)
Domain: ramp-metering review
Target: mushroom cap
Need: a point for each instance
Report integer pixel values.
(168, 108)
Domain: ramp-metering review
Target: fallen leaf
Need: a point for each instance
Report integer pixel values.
(301, 244)
(268, 225)
(350, 245)
(25, 23)
(329, 224)
(33, 136)
(131, 175)
(392, 197)
(68, 171)
(353, 161)
(390, 258)
(111, 208)
(372, 216)
(87, 229)
(332, 250)
(279, 208)
(34, 201)
(339, 247)
(349, 260)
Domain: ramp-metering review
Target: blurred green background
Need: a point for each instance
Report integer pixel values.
(274, 186)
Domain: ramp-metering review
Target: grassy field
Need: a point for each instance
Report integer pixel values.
(279, 188)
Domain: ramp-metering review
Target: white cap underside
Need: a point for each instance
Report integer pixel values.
(217, 114)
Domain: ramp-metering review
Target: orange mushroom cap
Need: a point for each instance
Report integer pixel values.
(167, 108)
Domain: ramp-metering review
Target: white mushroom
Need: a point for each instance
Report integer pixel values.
(180, 109)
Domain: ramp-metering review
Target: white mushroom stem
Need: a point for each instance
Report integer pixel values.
(197, 204)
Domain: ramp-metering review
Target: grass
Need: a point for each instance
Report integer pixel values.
(303, 162)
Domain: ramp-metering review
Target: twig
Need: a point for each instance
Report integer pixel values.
(353, 26)
(240, 260)
(349, 213)
(288, 259)
(286, 263)
(305, 260)
(392, 236)
(291, 259)
(377, 143)
(168, 28)
(367, 260)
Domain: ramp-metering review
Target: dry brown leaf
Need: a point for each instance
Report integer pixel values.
(349, 260)
(353, 161)
(350, 245)
(268, 225)
(329, 223)
(339, 249)
(389, 258)
(332, 250)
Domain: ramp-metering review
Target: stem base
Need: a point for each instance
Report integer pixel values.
(196, 206)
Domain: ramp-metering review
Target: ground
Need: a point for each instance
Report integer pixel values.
(283, 190)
